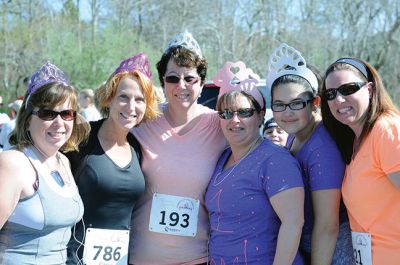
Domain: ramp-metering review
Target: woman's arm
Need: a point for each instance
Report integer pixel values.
(10, 185)
(289, 206)
(326, 205)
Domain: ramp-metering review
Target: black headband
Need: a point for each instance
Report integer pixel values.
(355, 63)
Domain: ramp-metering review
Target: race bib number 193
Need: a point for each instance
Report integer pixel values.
(174, 215)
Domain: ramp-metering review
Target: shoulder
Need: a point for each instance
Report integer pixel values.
(386, 129)
(14, 165)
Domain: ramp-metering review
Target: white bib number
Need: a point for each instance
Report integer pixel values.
(362, 248)
(174, 215)
(106, 247)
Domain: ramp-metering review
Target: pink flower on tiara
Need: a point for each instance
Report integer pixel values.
(48, 73)
(136, 62)
(236, 77)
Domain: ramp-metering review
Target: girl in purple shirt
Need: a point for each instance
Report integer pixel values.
(326, 237)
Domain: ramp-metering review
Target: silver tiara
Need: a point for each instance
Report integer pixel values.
(286, 60)
(185, 39)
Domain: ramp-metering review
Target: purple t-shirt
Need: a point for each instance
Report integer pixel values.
(322, 168)
(244, 226)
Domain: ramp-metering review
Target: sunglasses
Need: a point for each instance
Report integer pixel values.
(173, 79)
(49, 115)
(241, 113)
(345, 90)
(294, 105)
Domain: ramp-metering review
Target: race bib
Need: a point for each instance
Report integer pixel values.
(362, 248)
(174, 215)
(106, 247)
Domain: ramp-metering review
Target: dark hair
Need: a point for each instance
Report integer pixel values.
(288, 79)
(270, 123)
(380, 103)
(183, 57)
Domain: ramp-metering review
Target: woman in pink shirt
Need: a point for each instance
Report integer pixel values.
(180, 150)
(365, 124)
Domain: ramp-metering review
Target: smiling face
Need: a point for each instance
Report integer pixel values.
(241, 131)
(352, 109)
(50, 136)
(128, 106)
(182, 94)
(293, 121)
(276, 135)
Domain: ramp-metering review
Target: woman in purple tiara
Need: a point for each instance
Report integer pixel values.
(255, 196)
(39, 201)
(107, 167)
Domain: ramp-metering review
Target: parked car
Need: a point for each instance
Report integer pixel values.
(209, 95)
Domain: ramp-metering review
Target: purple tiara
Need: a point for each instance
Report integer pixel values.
(48, 73)
(137, 62)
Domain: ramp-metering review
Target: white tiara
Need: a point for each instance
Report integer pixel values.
(185, 39)
(286, 60)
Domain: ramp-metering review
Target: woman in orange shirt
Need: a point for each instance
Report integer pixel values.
(365, 124)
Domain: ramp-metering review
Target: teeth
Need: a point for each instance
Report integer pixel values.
(344, 110)
(57, 133)
(128, 116)
(236, 129)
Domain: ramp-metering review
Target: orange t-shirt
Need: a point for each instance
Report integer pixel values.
(372, 200)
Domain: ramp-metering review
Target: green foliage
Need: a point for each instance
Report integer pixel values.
(89, 40)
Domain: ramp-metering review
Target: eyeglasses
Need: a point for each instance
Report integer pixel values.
(294, 105)
(49, 115)
(345, 90)
(241, 113)
(173, 79)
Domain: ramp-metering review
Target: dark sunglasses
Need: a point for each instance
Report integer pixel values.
(294, 105)
(241, 113)
(49, 115)
(173, 79)
(345, 90)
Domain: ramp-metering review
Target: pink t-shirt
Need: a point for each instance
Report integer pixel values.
(179, 165)
(372, 200)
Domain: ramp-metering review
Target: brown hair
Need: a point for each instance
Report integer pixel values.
(106, 93)
(380, 103)
(48, 97)
(183, 57)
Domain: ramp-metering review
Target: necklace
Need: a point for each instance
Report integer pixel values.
(55, 174)
(252, 147)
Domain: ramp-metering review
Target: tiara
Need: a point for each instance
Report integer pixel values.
(286, 60)
(185, 39)
(236, 77)
(137, 62)
(48, 73)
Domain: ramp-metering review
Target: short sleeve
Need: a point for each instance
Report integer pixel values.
(280, 172)
(387, 146)
(325, 168)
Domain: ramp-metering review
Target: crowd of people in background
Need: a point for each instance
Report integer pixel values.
(124, 174)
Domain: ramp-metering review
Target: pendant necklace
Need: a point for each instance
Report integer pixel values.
(252, 147)
(55, 174)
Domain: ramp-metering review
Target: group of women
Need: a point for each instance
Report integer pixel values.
(178, 183)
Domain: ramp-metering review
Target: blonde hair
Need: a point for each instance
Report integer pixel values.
(106, 93)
